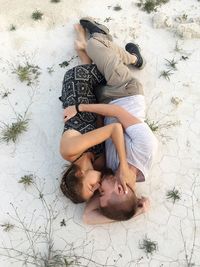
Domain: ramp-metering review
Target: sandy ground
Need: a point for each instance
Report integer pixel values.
(47, 224)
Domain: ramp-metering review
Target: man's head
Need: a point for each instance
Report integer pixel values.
(114, 202)
(79, 185)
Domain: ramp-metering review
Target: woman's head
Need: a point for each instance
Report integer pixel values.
(79, 185)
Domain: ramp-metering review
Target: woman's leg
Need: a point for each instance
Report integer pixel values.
(80, 44)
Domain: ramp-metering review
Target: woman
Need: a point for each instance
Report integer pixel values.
(81, 142)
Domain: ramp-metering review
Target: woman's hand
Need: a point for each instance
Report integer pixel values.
(144, 203)
(124, 176)
(69, 113)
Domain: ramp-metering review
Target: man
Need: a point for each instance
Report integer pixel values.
(126, 105)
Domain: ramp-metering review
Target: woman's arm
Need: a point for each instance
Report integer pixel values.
(92, 213)
(109, 110)
(74, 145)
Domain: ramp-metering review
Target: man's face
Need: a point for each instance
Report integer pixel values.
(109, 185)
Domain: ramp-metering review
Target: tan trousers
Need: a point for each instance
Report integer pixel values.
(111, 61)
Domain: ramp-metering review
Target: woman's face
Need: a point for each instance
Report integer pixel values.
(91, 182)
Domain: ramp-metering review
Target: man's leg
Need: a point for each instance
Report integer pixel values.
(120, 81)
(110, 60)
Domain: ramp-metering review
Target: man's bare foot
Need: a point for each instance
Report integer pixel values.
(80, 43)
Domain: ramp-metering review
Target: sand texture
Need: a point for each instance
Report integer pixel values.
(40, 227)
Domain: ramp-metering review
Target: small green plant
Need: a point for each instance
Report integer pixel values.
(184, 58)
(55, 1)
(107, 19)
(12, 27)
(148, 246)
(64, 64)
(11, 132)
(182, 18)
(50, 70)
(152, 125)
(117, 8)
(151, 5)
(27, 73)
(174, 195)
(178, 48)
(37, 15)
(176, 101)
(26, 180)
(166, 74)
(171, 63)
(63, 223)
(5, 94)
(7, 227)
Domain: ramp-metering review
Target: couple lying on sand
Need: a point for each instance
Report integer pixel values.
(107, 181)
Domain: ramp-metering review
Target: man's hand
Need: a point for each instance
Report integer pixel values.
(69, 113)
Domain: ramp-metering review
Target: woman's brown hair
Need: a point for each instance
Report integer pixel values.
(71, 184)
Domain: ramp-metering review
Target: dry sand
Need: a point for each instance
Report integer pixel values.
(172, 105)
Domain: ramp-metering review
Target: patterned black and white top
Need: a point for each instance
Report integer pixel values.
(78, 87)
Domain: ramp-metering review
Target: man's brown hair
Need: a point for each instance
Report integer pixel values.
(71, 184)
(119, 210)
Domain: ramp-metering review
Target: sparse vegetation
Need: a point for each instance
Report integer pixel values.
(178, 48)
(166, 74)
(37, 15)
(50, 70)
(11, 132)
(107, 19)
(148, 246)
(55, 1)
(7, 227)
(182, 18)
(64, 64)
(174, 195)
(5, 94)
(151, 5)
(63, 223)
(184, 58)
(12, 27)
(26, 180)
(171, 64)
(176, 101)
(156, 125)
(34, 233)
(152, 125)
(27, 73)
(117, 8)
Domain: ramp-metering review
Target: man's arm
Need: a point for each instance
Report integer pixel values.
(109, 110)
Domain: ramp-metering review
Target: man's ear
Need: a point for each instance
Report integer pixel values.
(120, 189)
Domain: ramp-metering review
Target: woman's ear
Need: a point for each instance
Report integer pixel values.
(79, 173)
